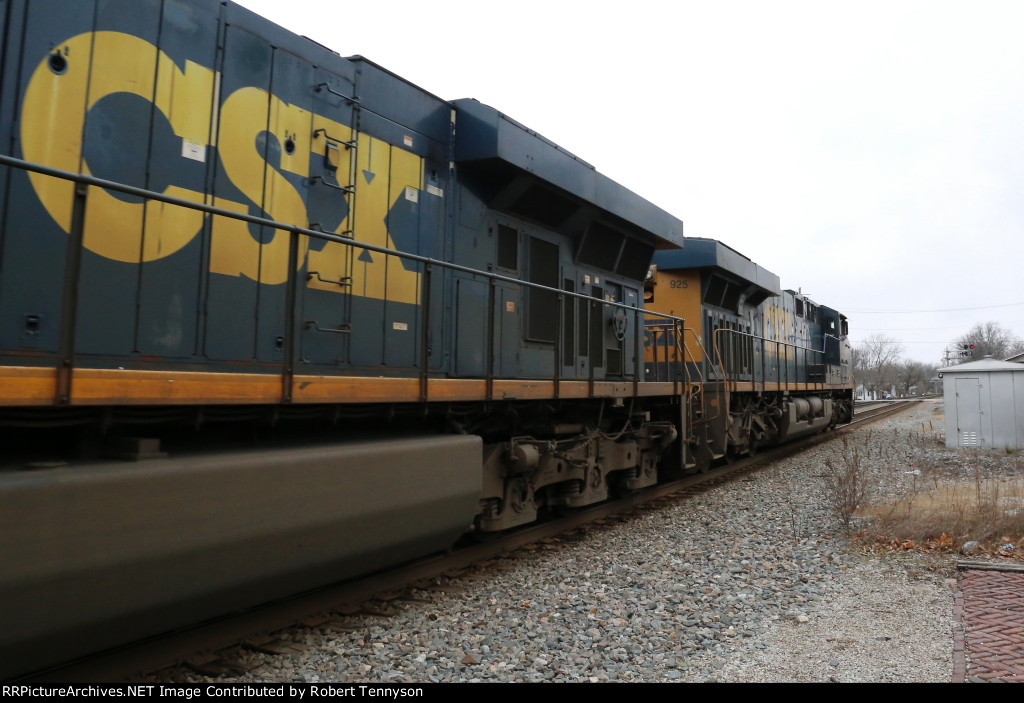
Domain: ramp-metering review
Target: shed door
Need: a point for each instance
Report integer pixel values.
(968, 412)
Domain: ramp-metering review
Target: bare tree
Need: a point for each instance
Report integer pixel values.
(911, 374)
(875, 362)
(932, 383)
(991, 338)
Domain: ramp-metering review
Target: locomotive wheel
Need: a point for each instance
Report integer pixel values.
(617, 485)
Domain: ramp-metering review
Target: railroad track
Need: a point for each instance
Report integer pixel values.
(875, 411)
(219, 640)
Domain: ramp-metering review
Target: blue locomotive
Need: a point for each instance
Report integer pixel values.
(762, 365)
(260, 299)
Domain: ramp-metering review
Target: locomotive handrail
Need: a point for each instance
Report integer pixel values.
(703, 381)
(778, 344)
(352, 100)
(778, 341)
(718, 354)
(348, 190)
(680, 353)
(655, 328)
(351, 144)
(697, 388)
(296, 230)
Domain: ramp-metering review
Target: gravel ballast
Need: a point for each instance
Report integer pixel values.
(751, 580)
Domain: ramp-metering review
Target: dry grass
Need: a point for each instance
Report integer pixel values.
(907, 489)
(989, 511)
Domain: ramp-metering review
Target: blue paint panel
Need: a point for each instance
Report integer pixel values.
(34, 247)
(470, 327)
(241, 18)
(367, 338)
(10, 54)
(506, 330)
(831, 331)
(292, 82)
(186, 30)
(32, 269)
(171, 288)
(328, 310)
(473, 242)
(401, 327)
(536, 362)
(119, 130)
(432, 238)
(417, 228)
(393, 133)
(231, 305)
(401, 335)
(403, 223)
(396, 100)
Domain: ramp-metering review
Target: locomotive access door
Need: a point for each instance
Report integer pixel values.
(591, 319)
(506, 331)
(618, 326)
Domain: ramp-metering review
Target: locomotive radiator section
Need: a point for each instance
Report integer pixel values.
(97, 555)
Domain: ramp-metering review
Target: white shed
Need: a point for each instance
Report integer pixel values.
(984, 404)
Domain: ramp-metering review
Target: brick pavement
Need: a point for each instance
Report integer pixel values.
(991, 605)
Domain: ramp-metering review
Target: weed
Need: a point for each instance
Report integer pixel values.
(846, 480)
(979, 504)
(915, 493)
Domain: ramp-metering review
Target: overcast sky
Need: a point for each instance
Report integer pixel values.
(870, 153)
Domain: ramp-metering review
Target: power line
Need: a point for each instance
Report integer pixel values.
(924, 329)
(860, 328)
(903, 341)
(888, 312)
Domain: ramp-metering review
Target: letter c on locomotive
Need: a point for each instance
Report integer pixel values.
(93, 66)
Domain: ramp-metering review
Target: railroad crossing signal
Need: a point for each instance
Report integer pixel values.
(966, 350)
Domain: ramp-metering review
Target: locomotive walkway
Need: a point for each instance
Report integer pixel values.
(989, 639)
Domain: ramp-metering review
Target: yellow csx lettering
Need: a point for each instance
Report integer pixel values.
(777, 325)
(99, 64)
